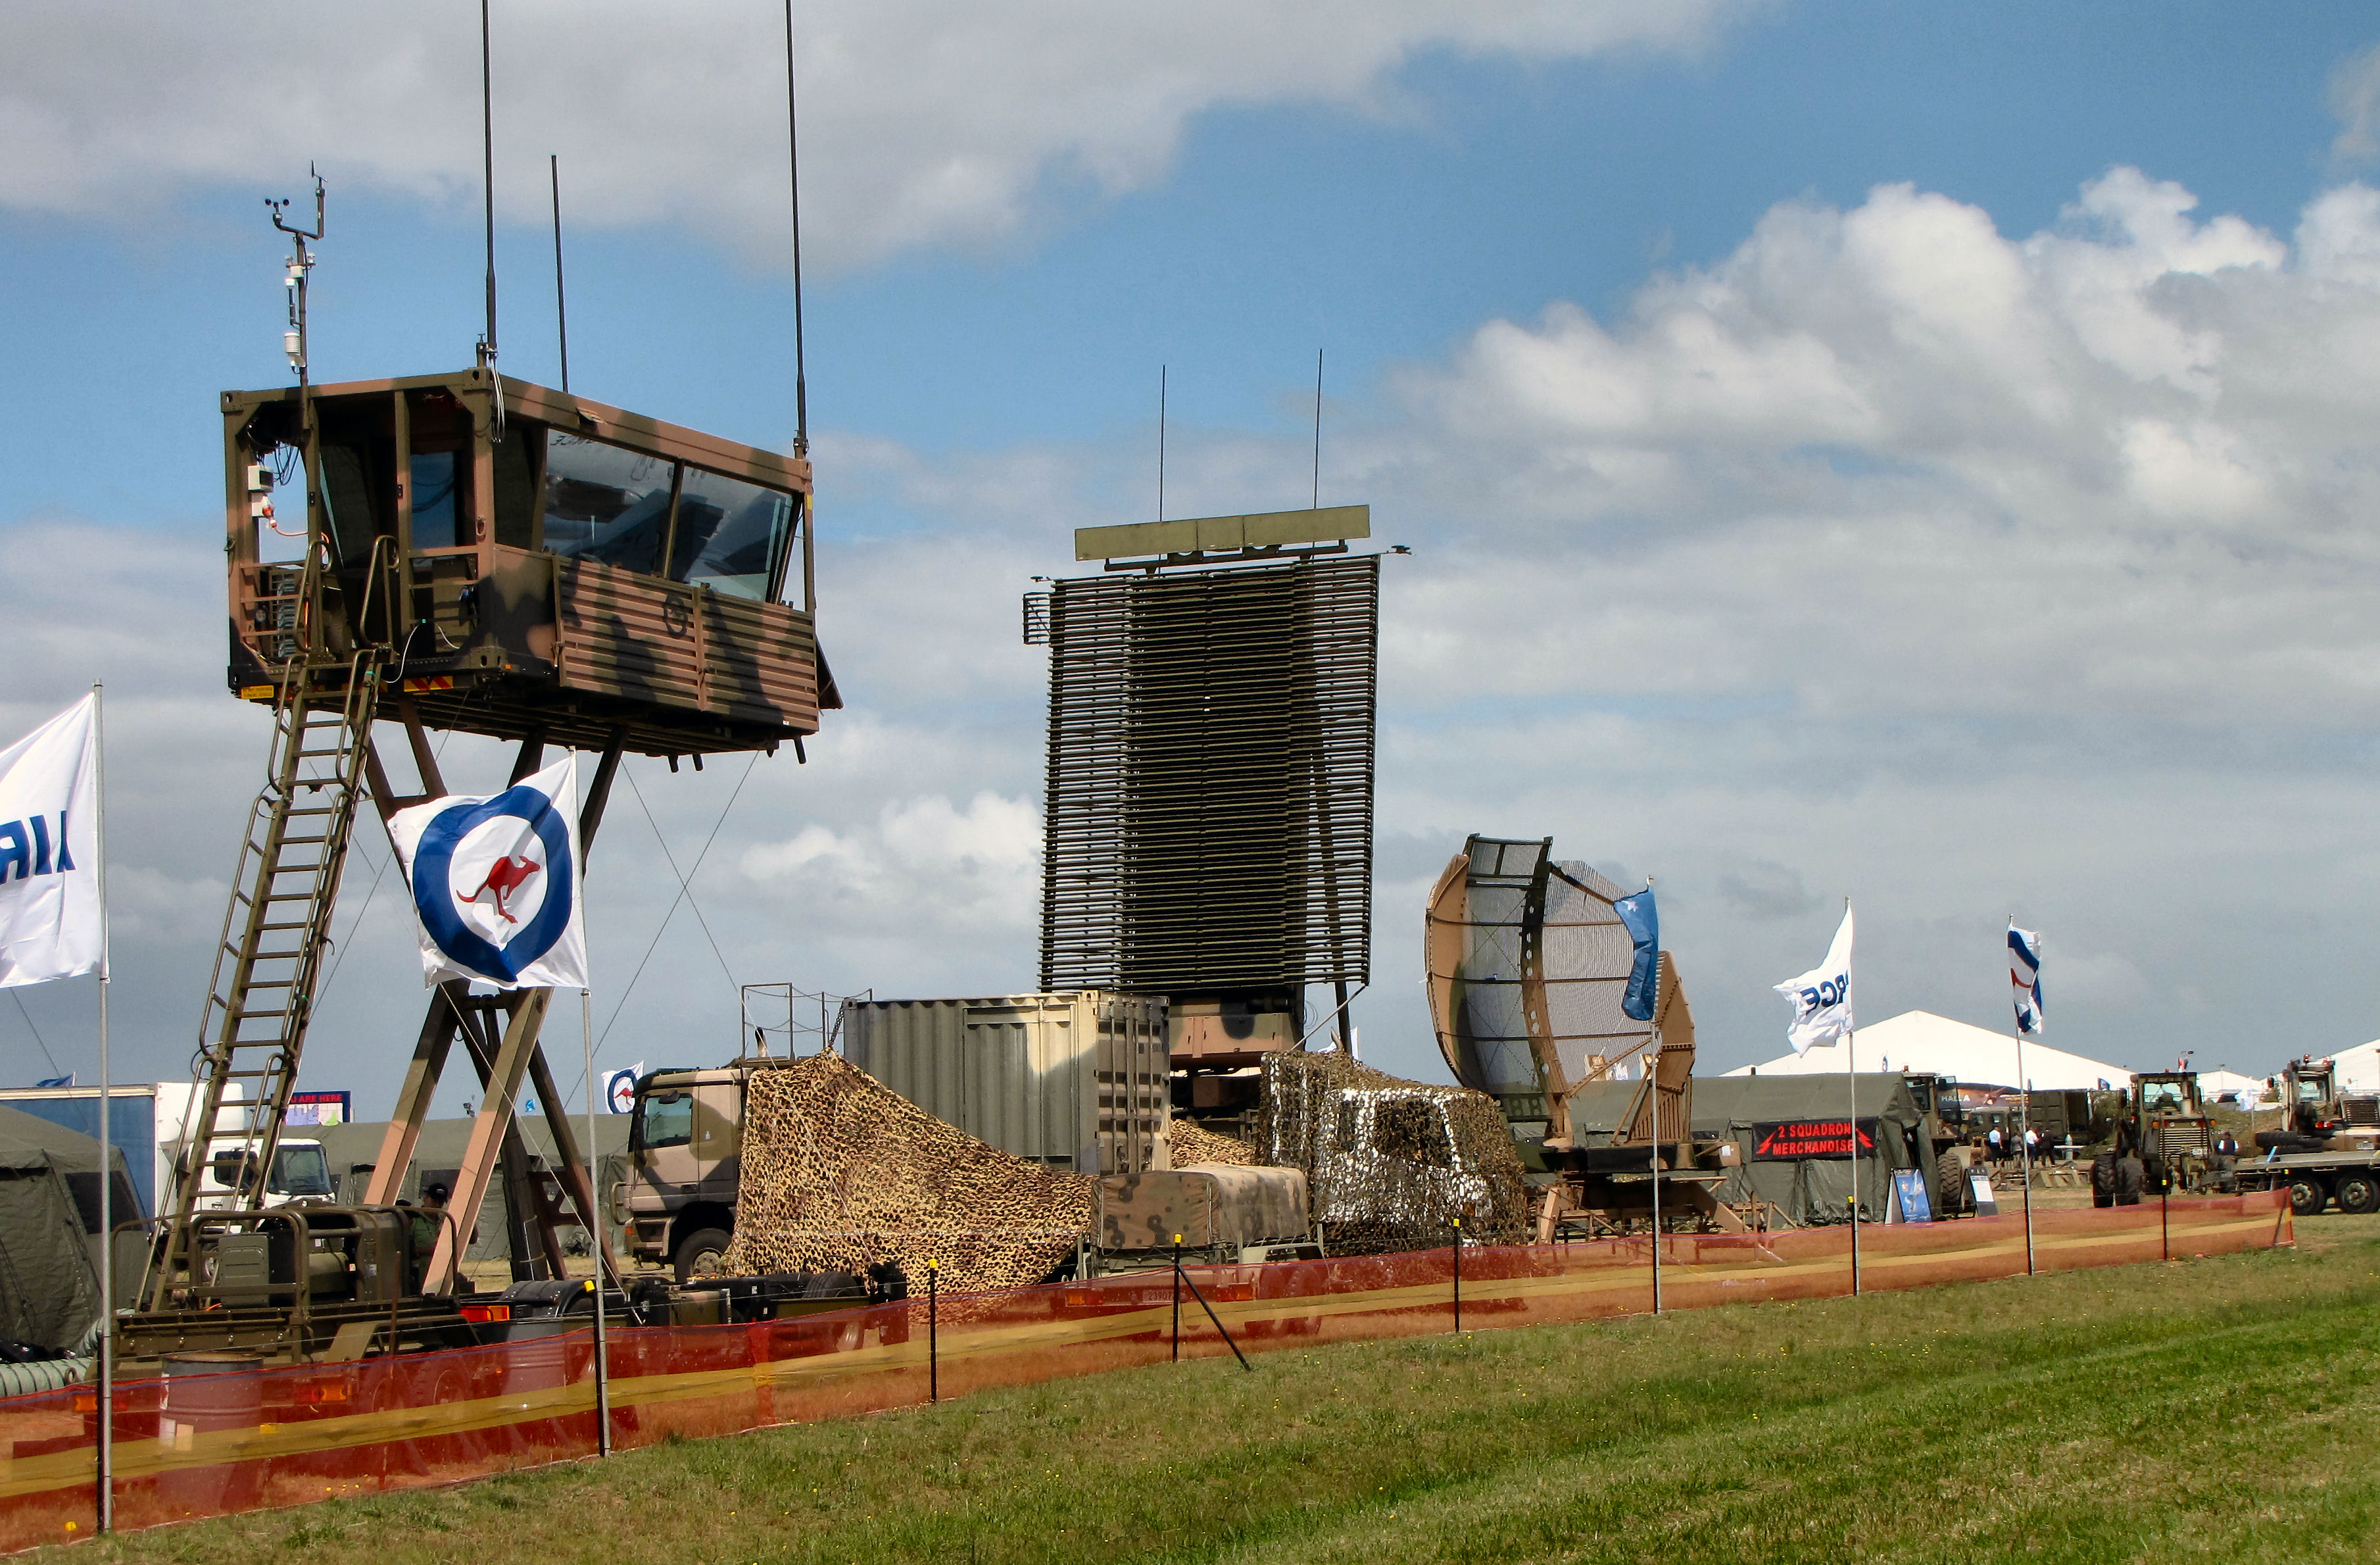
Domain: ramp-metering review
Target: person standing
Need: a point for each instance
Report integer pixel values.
(1997, 1148)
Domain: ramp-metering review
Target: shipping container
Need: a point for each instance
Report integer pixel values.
(1075, 1079)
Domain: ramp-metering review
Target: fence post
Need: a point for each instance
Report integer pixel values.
(2164, 1214)
(1177, 1298)
(1458, 1276)
(1854, 1205)
(934, 1331)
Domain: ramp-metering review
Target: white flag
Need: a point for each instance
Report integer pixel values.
(496, 883)
(1822, 997)
(2025, 977)
(48, 852)
(620, 1087)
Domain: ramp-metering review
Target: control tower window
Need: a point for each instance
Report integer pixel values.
(731, 535)
(605, 502)
(517, 455)
(437, 477)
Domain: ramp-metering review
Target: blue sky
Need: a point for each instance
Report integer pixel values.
(1613, 612)
(1485, 188)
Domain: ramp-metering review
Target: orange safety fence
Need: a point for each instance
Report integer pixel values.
(207, 1445)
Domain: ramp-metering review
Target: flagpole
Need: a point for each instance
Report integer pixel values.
(1851, 1076)
(1654, 1093)
(104, 1461)
(2025, 1091)
(595, 1232)
(2024, 1146)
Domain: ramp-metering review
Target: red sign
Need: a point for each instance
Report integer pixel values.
(1795, 1140)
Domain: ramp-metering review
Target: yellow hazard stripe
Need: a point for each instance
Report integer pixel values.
(960, 1343)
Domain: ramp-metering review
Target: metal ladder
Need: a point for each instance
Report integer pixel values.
(268, 960)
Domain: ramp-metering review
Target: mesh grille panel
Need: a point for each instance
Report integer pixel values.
(1210, 791)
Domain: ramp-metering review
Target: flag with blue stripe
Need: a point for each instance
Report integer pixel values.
(2024, 978)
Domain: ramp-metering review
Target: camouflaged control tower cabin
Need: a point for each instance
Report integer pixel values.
(539, 566)
(488, 557)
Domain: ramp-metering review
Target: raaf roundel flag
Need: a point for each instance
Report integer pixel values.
(2025, 977)
(496, 883)
(50, 925)
(1822, 997)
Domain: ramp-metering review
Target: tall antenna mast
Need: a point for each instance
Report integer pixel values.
(488, 177)
(1160, 441)
(1317, 430)
(793, 163)
(561, 310)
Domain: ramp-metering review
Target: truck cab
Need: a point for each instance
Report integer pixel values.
(2171, 1128)
(686, 1147)
(301, 1172)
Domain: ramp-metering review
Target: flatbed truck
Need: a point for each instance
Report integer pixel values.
(2350, 1176)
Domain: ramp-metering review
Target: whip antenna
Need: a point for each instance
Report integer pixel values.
(794, 165)
(488, 176)
(561, 310)
(1318, 429)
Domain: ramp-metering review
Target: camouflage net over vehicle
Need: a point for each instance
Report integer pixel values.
(841, 1172)
(1192, 1144)
(1390, 1162)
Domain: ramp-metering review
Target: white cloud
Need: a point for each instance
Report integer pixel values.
(924, 122)
(2355, 101)
(1965, 573)
(1897, 557)
(922, 867)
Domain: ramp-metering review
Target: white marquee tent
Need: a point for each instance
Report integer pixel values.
(2220, 1083)
(2359, 1068)
(1918, 1040)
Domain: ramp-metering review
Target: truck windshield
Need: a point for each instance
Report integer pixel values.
(2163, 1097)
(665, 1120)
(300, 1170)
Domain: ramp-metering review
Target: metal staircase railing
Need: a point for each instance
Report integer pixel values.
(268, 961)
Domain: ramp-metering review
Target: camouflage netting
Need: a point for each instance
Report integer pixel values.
(1191, 1144)
(840, 1172)
(1390, 1162)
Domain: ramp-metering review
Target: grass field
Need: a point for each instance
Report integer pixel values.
(2219, 1409)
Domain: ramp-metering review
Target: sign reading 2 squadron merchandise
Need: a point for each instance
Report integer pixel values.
(495, 881)
(1777, 1141)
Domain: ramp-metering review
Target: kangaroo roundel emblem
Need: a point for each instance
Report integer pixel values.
(492, 880)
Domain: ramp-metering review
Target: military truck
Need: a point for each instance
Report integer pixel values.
(686, 1150)
(2350, 1175)
(2319, 1155)
(2169, 1125)
(2315, 1113)
(1075, 1079)
(1946, 1152)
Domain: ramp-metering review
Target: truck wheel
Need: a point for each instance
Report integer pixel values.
(2307, 1196)
(699, 1254)
(2359, 1194)
(1951, 1175)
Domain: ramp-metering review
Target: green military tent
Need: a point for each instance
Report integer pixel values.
(49, 1229)
(1788, 1132)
